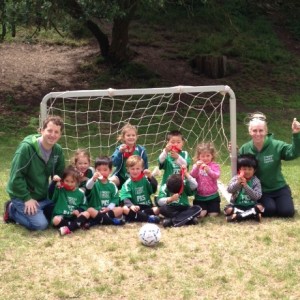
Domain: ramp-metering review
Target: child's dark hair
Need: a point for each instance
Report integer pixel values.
(103, 160)
(71, 171)
(174, 133)
(174, 183)
(247, 160)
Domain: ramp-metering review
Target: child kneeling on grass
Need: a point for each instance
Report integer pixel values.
(69, 213)
(136, 193)
(173, 200)
(246, 192)
(103, 195)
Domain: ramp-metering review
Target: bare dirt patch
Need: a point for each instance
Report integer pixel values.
(28, 72)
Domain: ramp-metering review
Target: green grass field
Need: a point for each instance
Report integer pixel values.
(212, 260)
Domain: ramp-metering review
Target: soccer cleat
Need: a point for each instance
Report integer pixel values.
(258, 217)
(231, 218)
(153, 219)
(6, 217)
(85, 226)
(194, 221)
(64, 230)
(118, 222)
(167, 222)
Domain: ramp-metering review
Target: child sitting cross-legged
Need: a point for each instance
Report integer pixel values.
(173, 200)
(103, 196)
(246, 191)
(69, 213)
(136, 193)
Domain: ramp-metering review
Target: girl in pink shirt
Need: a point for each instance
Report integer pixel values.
(206, 171)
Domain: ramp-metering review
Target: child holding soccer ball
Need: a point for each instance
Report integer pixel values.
(102, 195)
(246, 192)
(128, 138)
(173, 157)
(206, 171)
(136, 193)
(69, 213)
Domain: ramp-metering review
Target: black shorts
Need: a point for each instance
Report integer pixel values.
(146, 209)
(211, 206)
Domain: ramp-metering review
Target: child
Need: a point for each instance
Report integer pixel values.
(69, 211)
(136, 193)
(102, 195)
(81, 162)
(173, 157)
(173, 198)
(206, 171)
(246, 191)
(128, 138)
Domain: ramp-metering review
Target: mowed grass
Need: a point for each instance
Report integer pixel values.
(212, 260)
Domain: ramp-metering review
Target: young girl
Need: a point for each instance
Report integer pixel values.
(81, 161)
(69, 211)
(102, 195)
(206, 171)
(136, 193)
(246, 192)
(128, 138)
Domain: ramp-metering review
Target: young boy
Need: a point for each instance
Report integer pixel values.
(102, 195)
(173, 157)
(246, 191)
(173, 199)
(136, 193)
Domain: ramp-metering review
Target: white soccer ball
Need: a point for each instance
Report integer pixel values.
(150, 235)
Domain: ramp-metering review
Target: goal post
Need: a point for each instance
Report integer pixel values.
(93, 118)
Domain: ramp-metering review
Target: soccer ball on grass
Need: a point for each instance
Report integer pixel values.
(149, 235)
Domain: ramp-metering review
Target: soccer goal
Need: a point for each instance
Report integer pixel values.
(93, 118)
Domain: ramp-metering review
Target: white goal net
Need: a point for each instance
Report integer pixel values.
(93, 118)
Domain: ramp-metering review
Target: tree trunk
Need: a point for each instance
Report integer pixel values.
(101, 38)
(211, 66)
(119, 45)
(76, 12)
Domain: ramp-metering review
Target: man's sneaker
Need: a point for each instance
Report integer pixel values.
(167, 222)
(64, 230)
(6, 217)
(118, 222)
(153, 219)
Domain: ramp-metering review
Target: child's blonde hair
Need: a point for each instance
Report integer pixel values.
(205, 147)
(124, 129)
(133, 160)
(80, 153)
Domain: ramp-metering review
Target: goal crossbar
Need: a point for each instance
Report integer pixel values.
(176, 111)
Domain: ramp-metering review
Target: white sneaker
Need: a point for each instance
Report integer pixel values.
(64, 230)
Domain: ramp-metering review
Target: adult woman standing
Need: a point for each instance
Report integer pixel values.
(276, 198)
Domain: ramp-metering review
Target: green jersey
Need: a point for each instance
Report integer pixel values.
(170, 166)
(67, 201)
(183, 199)
(102, 195)
(139, 192)
(269, 160)
(89, 174)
